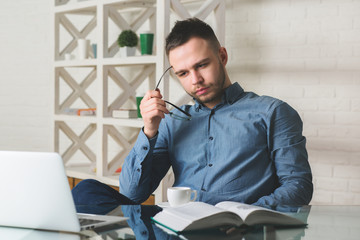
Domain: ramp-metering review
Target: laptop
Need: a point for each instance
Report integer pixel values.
(35, 193)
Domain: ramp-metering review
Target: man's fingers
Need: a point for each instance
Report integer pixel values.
(153, 109)
(154, 105)
(153, 94)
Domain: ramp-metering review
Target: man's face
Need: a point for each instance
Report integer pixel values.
(200, 70)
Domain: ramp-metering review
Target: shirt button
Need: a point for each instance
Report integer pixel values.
(211, 138)
(203, 189)
(145, 148)
(210, 165)
(138, 170)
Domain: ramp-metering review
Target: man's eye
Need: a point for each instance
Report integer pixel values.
(202, 65)
(182, 74)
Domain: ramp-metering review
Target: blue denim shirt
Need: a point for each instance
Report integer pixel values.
(248, 148)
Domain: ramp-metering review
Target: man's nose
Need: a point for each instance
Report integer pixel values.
(196, 77)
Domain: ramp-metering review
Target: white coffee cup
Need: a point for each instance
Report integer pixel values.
(83, 46)
(180, 195)
(67, 56)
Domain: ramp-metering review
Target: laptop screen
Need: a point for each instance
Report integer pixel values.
(35, 192)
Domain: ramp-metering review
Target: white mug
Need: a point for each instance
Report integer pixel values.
(83, 45)
(67, 56)
(180, 195)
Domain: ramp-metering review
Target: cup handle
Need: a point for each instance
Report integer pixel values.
(195, 194)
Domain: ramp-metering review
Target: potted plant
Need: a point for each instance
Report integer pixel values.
(127, 42)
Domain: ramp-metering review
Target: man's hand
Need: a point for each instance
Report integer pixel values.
(153, 109)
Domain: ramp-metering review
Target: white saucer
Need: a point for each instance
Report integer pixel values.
(163, 204)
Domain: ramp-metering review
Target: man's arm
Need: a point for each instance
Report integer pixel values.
(288, 152)
(143, 170)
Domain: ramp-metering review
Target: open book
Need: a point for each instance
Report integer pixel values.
(199, 215)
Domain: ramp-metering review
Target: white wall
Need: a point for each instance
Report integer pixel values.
(306, 52)
(25, 75)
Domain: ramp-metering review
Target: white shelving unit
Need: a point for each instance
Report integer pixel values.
(95, 146)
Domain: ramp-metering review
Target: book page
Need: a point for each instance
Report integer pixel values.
(194, 210)
(241, 209)
(178, 218)
(258, 215)
(195, 216)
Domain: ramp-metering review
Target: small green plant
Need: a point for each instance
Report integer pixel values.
(127, 38)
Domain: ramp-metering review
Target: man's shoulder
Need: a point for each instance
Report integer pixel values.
(269, 104)
(261, 100)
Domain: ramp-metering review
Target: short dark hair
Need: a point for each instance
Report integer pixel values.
(186, 29)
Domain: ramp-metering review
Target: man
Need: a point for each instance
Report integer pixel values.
(238, 146)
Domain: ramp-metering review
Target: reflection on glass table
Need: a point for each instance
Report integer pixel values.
(10, 233)
(144, 228)
(323, 222)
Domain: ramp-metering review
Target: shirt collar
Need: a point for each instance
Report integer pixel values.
(231, 95)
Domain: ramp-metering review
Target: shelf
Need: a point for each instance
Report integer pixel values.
(70, 118)
(128, 4)
(76, 63)
(84, 172)
(85, 7)
(136, 60)
(131, 122)
(137, 123)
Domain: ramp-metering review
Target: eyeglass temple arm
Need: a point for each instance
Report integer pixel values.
(186, 113)
(157, 85)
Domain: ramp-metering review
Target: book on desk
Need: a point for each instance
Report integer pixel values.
(199, 215)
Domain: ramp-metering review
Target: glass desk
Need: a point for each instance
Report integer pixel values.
(324, 222)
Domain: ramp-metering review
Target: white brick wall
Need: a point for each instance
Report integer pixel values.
(25, 75)
(306, 52)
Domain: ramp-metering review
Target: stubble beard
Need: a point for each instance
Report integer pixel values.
(217, 89)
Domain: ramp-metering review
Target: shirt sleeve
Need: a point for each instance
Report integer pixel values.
(143, 170)
(287, 147)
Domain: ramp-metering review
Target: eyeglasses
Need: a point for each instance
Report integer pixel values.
(181, 115)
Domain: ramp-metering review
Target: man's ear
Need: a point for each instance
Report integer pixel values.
(223, 55)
